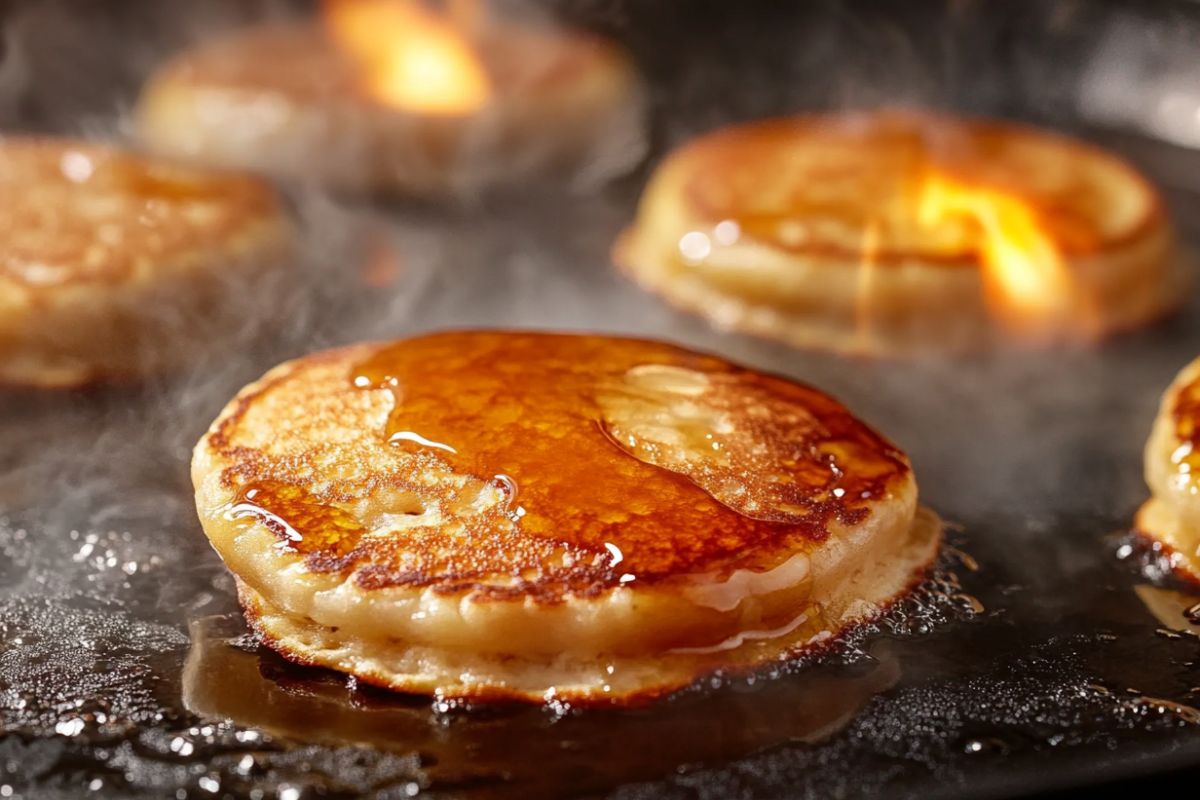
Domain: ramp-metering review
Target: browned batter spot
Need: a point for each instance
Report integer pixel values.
(566, 432)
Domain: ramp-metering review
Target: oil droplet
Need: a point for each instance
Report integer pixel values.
(70, 727)
(1187, 714)
(985, 745)
(1193, 614)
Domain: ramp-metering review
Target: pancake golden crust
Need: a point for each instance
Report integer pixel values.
(1171, 518)
(106, 251)
(650, 511)
(505, 514)
(873, 232)
(288, 101)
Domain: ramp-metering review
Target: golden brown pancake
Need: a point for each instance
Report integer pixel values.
(1172, 515)
(108, 257)
(538, 516)
(897, 232)
(287, 101)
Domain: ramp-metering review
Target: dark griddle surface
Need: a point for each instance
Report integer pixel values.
(113, 609)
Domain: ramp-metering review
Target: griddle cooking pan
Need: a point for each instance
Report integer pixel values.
(1049, 652)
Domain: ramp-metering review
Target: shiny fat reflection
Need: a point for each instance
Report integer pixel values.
(728, 594)
(696, 246)
(412, 436)
(741, 637)
(617, 558)
(276, 523)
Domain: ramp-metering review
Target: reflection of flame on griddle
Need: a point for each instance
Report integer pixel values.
(410, 57)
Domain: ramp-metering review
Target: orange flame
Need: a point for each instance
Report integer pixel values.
(868, 256)
(410, 57)
(1024, 273)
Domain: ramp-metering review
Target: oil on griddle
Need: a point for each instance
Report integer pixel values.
(1046, 652)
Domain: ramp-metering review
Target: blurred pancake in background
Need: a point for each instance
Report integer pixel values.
(899, 232)
(390, 96)
(114, 265)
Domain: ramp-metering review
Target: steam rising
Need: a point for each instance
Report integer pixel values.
(100, 550)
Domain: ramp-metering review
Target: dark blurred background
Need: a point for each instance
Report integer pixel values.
(71, 63)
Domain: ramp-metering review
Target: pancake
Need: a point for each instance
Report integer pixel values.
(898, 232)
(1172, 515)
(111, 259)
(287, 101)
(543, 517)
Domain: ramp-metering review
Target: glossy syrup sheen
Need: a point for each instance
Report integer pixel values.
(600, 461)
